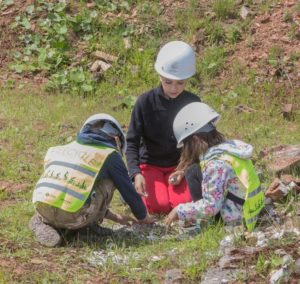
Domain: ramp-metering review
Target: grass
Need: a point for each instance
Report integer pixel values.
(40, 121)
(32, 120)
(224, 8)
(43, 121)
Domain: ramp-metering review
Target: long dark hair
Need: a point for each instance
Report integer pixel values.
(196, 145)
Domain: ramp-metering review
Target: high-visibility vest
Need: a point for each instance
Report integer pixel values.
(70, 172)
(254, 197)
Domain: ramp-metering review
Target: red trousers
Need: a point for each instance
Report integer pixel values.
(162, 196)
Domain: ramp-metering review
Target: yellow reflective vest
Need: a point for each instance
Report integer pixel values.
(254, 196)
(70, 172)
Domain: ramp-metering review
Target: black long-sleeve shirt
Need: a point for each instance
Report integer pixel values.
(193, 176)
(115, 170)
(150, 137)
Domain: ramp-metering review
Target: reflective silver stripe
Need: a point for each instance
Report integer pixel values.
(254, 192)
(72, 166)
(62, 189)
(253, 219)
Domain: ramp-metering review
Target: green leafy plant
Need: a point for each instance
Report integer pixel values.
(234, 35)
(213, 61)
(215, 33)
(224, 8)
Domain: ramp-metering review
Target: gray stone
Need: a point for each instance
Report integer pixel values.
(287, 260)
(173, 276)
(217, 275)
(297, 266)
(244, 12)
(279, 276)
(280, 252)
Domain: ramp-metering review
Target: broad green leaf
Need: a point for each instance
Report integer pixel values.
(93, 14)
(77, 76)
(232, 94)
(17, 54)
(273, 62)
(54, 17)
(212, 65)
(26, 59)
(59, 7)
(87, 87)
(62, 29)
(129, 100)
(25, 23)
(61, 44)
(19, 68)
(8, 2)
(42, 56)
(58, 61)
(43, 23)
(30, 9)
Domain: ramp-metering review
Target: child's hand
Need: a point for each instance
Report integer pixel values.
(147, 220)
(176, 177)
(125, 220)
(172, 216)
(140, 185)
(121, 219)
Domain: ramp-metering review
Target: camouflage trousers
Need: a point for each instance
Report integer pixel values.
(93, 211)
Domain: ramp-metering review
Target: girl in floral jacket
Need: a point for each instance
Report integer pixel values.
(213, 181)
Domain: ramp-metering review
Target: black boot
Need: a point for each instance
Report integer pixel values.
(100, 231)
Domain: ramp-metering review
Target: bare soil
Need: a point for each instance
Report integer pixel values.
(277, 31)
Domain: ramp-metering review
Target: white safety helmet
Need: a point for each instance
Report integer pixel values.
(176, 61)
(111, 127)
(194, 118)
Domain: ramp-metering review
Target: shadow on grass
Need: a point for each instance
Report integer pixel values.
(125, 236)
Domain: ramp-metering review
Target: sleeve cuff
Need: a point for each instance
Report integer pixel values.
(134, 173)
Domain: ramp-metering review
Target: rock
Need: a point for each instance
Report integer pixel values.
(105, 56)
(244, 12)
(277, 190)
(287, 111)
(285, 39)
(174, 276)
(199, 39)
(91, 5)
(296, 267)
(280, 252)
(227, 242)
(287, 260)
(228, 261)
(265, 20)
(233, 257)
(99, 66)
(155, 258)
(281, 187)
(244, 108)
(218, 275)
(127, 43)
(281, 159)
(279, 276)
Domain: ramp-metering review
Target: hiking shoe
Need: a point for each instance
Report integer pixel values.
(45, 234)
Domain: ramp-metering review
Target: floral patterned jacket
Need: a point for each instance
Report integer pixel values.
(219, 178)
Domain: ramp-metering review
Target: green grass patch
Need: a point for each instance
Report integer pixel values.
(224, 9)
